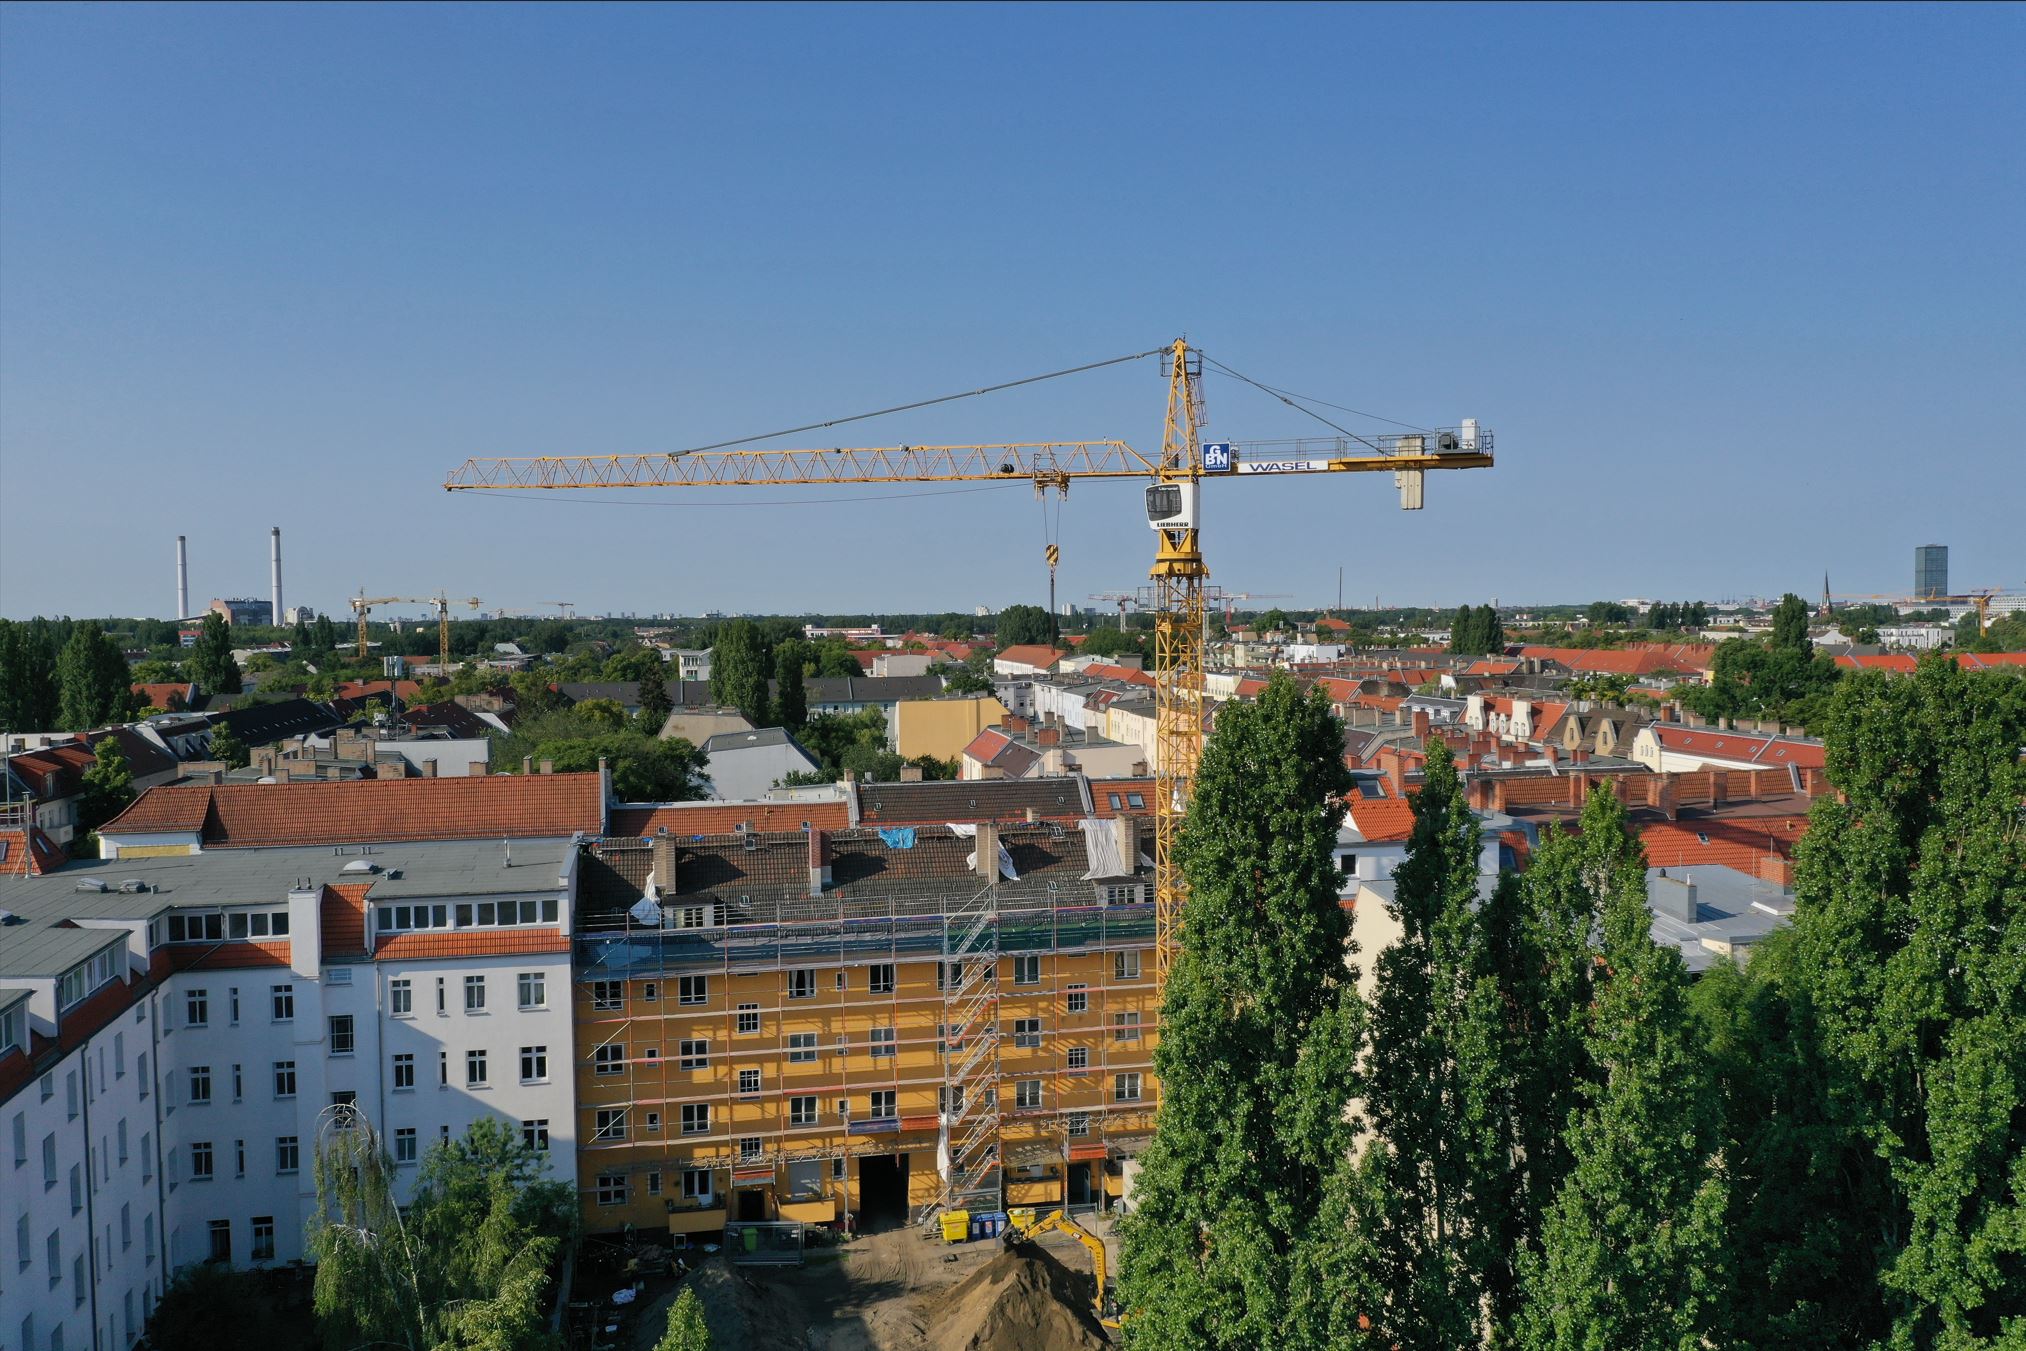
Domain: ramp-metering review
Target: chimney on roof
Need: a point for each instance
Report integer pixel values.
(1420, 724)
(850, 776)
(819, 861)
(476, 769)
(1675, 898)
(1033, 816)
(664, 862)
(1050, 735)
(1580, 756)
(527, 764)
(548, 766)
(910, 773)
(987, 857)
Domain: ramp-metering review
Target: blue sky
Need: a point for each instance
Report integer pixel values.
(1738, 288)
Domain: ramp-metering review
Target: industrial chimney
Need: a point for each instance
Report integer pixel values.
(182, 579)
(274, 569)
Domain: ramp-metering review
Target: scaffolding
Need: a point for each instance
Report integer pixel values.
(968, 1145)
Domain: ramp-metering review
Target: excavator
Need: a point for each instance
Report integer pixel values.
(1059, 1220)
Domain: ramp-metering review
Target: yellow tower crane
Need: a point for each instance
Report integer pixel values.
(1173, 504)
(362, 605)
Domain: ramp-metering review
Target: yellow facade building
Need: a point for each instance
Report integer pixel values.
(865, 1022)
(941, 728)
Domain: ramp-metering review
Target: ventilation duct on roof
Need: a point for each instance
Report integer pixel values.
(133, 886)
(360, 865)
(90, 884)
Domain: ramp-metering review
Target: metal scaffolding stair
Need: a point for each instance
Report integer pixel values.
(970, 1046)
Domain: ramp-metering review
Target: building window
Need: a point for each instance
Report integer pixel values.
(609, 1058)
(287, 1154)
(49, 1161)
(404, 1144)
(1125, 1026)
(882, 1042)
(200, 1083)
(802, 1111)
(77, 1183)
(263, 1238)
(1027, 1032)
(404, 1072)
(1079, 1123)
(284, 1078)
(749, 1020)
(238, 1158)
(1079, 1057)
(1347, 864)
(693, 990)
(1079, 999)
(802, 984)
(749, 1081)
(1027, 1093)
(696, 1118)
(474, 994)
(401, 999)
(696, 1184)
(200, 1161)
(950, 1099)
(1125, 1088)
(1027, 970)
(284, 1003)
(474, 1069)
(751, 1147)
(654, 1182)
(341, 1034)
(650, 992)
(221, 1241)
(534, 1064)
(196, 1009)
(442, 1005)
(881, 1104)
(611, 1124)
(653, 1126)
(694, 1055)
(607, 995)
(880, 978)
(443, 1069)
(611, 1189)
(534, 989)
(801, 1048)
(238, 1084)
(535, 1134)
(1125, 965)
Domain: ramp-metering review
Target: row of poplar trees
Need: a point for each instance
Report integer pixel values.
(1539, 1130)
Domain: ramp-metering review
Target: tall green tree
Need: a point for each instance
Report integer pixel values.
(1258, 1035)
(1633, 1252)
(740, 666)
(108, 785)
(465, 1267)
(210, 662)
(686, 1329)
(655, 705)
(1790, 626)
(791, 697)
(93, 685)
(227, 748)
(1412, 1192)
(1020, 624)
(30, 700)
(1908, 980)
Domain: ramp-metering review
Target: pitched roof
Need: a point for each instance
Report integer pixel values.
(1121, 797)
(165, 694)
(1108, 671)
(258, 724)
(26, 852)
(1733, 841)
(53, 771)
(1643, 659)
(144, 757)
(1039, 655)
(999, 749)
(469, 943)
(906, 804)
(868, 689)
(724, 818)
(369, 811)
(403, 690)
(341, 919)
(1381, 820)
(456, 718)
(1740, 747)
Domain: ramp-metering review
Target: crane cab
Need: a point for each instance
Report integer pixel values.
(1173, 506)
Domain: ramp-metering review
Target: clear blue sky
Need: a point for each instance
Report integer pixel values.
(1738, 288)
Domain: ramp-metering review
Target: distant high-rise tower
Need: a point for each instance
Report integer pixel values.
(1827, 608)
(182, 579)
(1931, 571)
(274, 571)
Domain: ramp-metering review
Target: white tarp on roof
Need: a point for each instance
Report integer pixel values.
(1104, 843)
(646, 910)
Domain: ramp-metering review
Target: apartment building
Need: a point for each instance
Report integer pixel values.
(176, 1023)
(865, 1022)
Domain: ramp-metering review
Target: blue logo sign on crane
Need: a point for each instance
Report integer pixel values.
(1217, 457)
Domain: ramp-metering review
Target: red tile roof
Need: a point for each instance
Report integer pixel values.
(1106, 671)
(1103, 790)
(1899, 663)
(369, 811)
(470, 943)
(1488, 667)
(1734, 842)
(54, 771)
(1381, 820)
(1033, 654)
(1638, 659)
(1739, 747)
(718, 818)
(1249, 688)
(168, 695)
(232, 956)
(341, 919)
(404, 690)
(26, 852)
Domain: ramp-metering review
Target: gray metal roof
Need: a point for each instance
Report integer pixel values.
(45, 950)
(1732, 908)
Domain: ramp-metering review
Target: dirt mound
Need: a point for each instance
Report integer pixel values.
(1022, 1300)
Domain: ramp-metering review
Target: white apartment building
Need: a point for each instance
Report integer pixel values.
(166, 1066)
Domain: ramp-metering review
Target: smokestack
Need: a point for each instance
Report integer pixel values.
(274, 568)
(182, 578)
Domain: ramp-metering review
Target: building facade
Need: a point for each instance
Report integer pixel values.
(1930, 571)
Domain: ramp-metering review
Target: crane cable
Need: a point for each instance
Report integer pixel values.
(923, 403)
(1290, 400)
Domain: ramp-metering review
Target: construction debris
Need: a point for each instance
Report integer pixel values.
(1022, 1300)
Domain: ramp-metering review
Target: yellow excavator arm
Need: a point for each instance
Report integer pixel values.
(1058, 1220)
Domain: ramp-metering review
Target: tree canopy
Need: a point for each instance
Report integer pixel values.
(210, 661)
(1020, 624)
(741, 663)
(94, 688)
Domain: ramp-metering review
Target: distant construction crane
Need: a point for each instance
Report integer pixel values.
(1231, 597)
(1173, 491)
(1980, 599)
(362, 605)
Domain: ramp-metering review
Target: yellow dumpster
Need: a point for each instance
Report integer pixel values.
(1021, 1216)
(956, 1226)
